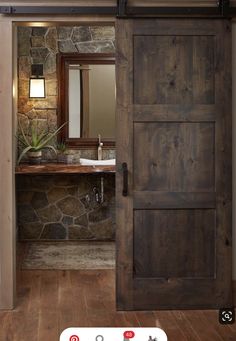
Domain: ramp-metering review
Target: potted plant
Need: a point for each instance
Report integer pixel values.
(64, 155)
(33, 145)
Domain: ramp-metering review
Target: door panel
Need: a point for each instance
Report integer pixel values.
(184, 75)
(174, 133)
(160, 251)
(164, 151)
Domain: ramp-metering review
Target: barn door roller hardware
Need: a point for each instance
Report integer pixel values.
(224, 6)
(222, 9)
(122, 7)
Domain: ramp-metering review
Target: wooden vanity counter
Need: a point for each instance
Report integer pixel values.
(60, 168)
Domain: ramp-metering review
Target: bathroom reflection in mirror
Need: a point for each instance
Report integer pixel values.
(87, 98)
(91, 101)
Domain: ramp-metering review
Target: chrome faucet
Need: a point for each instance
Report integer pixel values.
(100, 144)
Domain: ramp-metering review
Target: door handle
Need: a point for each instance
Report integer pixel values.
(125, 179)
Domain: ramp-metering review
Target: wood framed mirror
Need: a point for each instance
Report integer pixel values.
(87, 99)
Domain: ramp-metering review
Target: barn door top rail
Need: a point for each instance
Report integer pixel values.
(123, 10)
(222, 9)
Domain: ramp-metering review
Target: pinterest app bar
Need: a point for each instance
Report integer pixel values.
(114, 334)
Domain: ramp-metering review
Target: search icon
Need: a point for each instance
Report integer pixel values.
(99, 338)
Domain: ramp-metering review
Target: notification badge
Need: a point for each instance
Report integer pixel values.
(128, 334)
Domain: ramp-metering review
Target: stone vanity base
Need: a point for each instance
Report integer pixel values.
(63, 207)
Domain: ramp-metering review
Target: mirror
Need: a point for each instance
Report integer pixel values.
(87, 98)
(91, 101)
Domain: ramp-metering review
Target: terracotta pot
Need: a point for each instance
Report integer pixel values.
(35, 157)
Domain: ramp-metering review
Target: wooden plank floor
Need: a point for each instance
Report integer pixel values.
(50, 301)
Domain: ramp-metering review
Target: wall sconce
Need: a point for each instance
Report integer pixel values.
(37, 82)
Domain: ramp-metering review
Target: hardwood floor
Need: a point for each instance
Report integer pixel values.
(51, 301)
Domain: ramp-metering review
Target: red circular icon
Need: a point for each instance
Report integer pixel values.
(129, 334)
(74, 338)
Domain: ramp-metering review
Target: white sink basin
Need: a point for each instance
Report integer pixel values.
(88, 162)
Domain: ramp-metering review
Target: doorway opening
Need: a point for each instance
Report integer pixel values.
(66, 210)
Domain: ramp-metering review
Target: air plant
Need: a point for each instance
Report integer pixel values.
(61, 147)
(37, 141)
(63, 154)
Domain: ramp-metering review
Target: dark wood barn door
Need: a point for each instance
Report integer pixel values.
(174, 135)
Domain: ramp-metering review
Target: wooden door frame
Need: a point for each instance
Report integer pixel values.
(7, 183)
(8, 114)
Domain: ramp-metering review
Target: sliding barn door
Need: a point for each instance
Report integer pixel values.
(173, 163)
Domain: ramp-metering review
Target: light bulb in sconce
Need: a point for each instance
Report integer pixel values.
(37, 88)
(37, 82)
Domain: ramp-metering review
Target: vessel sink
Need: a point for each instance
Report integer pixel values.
(89, 162)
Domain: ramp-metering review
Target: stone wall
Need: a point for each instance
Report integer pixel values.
(60, 207)
(40, 45)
